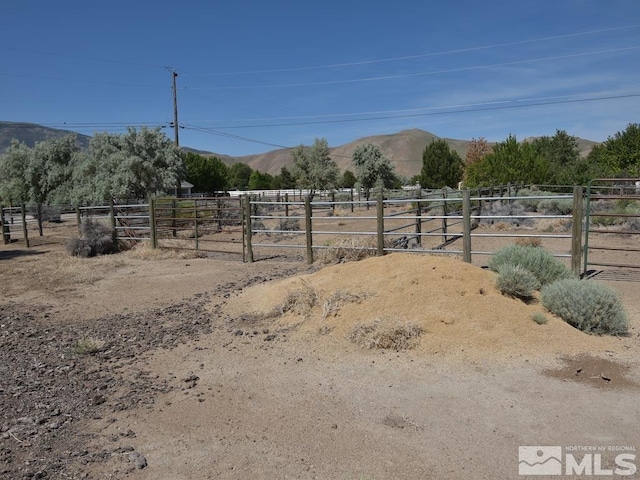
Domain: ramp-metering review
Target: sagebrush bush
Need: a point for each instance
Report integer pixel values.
(78, 247)
(97, 239)
(514, 211)
(531, 204)
(539, 261)
(516, 281)
(556, 206)
(589, 306)
(289, 224)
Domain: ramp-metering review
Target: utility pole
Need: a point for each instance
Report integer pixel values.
(175, 108)
(175, 120)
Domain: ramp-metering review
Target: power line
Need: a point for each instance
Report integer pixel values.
(422, 55)
(236, 137)
(66, 79)
(425, 114)
(81, 57)
(408, 75)
(489, 106)
(404, 110)
(246, 139)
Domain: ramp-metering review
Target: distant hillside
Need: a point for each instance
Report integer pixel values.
(404, 148)
(31, 133)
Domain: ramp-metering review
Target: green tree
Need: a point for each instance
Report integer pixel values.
(284, 180)
(373, 169)
(348, 179)
(509, 162)
(239, 174)
(561, 152)
(618, 155)
(260, 181)
(136, 164)
(41, 174)
(50, 171)
(313, 168)
(207, 174)
(14, 187)
(441, 166)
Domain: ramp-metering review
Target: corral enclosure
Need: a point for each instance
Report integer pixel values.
(578, 225)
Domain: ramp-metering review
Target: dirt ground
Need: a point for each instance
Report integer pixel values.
(158, 365)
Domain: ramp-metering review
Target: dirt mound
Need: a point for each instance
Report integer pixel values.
(455, 305)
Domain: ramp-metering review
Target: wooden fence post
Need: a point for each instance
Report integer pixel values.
(174, 214)
(78, 220)
(23, 214)
(576, 234)
(333, 201)
(4, 228)
(153, 234)
(286, 204)
(419, 219)
(39, 210)
(308, 228)
(351, 198)
(112, 218)
(380, 222)
(247, 226)
(466, 225)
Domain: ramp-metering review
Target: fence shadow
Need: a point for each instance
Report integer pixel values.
(10, 254)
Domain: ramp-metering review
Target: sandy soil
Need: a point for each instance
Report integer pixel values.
(201, 373)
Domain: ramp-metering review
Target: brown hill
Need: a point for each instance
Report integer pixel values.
(404, 149)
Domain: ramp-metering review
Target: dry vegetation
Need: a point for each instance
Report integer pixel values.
(387, 334)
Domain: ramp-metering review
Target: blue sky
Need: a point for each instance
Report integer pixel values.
(285, 72)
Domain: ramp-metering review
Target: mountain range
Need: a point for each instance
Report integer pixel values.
(404, 148)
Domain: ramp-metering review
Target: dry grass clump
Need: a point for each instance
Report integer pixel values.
(387, 335)
(332, 305)
(540, 318)
(300, 301)
(143, 251)
(529, 241)
(348, 250)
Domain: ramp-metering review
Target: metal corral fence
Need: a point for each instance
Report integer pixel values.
(41, 224)
(443, 221)
(466, 223)
(612, 211)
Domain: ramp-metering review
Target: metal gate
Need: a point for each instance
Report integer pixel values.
(208, 224)
(612, 229)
